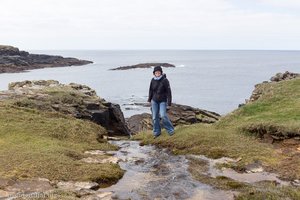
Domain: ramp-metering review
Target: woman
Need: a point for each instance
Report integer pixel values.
(160, 97)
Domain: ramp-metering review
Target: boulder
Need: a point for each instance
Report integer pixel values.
(178, 114)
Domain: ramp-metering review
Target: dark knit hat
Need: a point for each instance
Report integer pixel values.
(157, 68)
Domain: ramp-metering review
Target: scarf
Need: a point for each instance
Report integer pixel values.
(158, 78)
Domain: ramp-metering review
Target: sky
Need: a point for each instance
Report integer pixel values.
(150, 24)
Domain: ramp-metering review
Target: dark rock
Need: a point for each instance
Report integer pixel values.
(77, 100)
(284, 76)
(178, 114)
(263, 87)
(143, 65)
(12, 60)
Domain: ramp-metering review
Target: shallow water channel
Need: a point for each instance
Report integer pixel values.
(154, 173)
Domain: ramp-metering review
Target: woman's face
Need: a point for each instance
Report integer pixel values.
(157, 73)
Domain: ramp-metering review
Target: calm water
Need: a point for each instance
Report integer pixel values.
(212, 80)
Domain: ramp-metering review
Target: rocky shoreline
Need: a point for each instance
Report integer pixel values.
(82, 102)
(76, 100)
(13, 60)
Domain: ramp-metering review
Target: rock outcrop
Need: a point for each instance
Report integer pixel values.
(143, 65)
(284, 76)
(178, 114)
(13, 60)
(76, 100)
(262, 87)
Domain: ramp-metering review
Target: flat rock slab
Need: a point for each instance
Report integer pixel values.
(100, 196)
(29, 186)
(76, 186)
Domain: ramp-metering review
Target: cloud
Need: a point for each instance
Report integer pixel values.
(294, 4)
(142, 24)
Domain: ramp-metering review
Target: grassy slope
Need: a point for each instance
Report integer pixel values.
(278, 107)
(50, 145)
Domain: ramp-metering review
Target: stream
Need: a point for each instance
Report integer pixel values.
(154, 173)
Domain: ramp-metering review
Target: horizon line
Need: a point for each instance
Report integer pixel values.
(163, 49)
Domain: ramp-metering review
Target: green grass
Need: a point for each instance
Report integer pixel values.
(279, 106)
(205, 139)
(50, 145)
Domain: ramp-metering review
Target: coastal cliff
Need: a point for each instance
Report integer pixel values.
(13, 60)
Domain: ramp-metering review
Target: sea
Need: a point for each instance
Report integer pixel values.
(215, 80)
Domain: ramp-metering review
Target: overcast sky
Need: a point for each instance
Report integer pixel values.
(150, 24)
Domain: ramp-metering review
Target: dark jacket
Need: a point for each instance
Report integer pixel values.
(160, 90)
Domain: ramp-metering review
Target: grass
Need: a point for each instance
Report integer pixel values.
(50, 145)
(279, 106)
(205, 139)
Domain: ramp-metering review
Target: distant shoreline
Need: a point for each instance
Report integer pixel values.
(12, 60)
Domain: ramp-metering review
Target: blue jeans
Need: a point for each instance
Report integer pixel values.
(160, 109)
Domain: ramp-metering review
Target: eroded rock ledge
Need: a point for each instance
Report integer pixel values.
(261, 87)
(77, 100)
(143, 65)
(179, 115)
(13, 60)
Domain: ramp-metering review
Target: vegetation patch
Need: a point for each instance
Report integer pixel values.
(50, 145)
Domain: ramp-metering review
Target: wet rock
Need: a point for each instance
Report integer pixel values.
(12, 60)
(100, 196)
(254, 167)
(100, 153)
(96, 160)
(178, 114)
(296, 183)
(76, 186)
(77, 100)
(111, 138)
(143, 65)
(84, 192)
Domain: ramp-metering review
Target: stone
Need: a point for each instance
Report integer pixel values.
(96, 160)
(95, 152)
(254, 167)
(76, 186)
(30, 186)
(178, 114)
(284, 76)
(296, 183)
